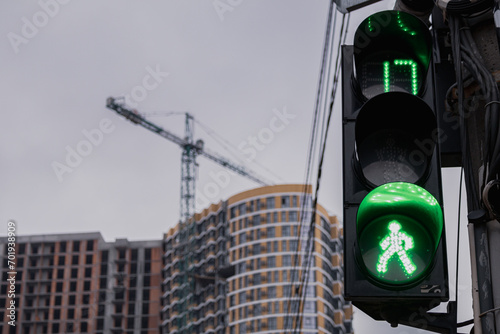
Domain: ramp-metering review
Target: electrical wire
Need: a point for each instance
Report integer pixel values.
(324, 132)
(320, 166)
(302, 289)
(310, 158)
(466, 57)
(231, 149)
(458, 234)
(473, 198)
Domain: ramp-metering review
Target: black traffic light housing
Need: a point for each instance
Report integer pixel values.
(390, 135)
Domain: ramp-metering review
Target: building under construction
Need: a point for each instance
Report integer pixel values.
(79, 283)
(248, 265)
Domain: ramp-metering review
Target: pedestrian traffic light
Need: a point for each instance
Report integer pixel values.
(394, 242)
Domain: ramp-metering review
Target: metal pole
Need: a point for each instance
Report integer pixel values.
(475, 287)
(493, 227)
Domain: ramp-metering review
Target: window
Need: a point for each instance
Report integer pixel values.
(283, 216)
(243, 297)
(256, 220)
(60, 273)
(85, 313)
(310, 322)
(287, 260)
(131, 309)
(88, 259)
(271, 262)
(88, 272)
(121, 253)
(294, 201)
(134, 255)
(310, 291)
(271, 292)
(61, 260)
(285, 201)
(270, 202)
(74, 273)
(276, 276)
(72, 300)
(104, 256)
(285, 231)
(74, 260)
(243, 209)
(102, 283)
(71, 313)
(58, 300)
(76, 246)
(310, 307)
(243, 238)
(144, 322)
(271, 232)
(292, 216)
(271, 323)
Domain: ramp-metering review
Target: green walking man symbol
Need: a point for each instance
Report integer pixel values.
(396, 243)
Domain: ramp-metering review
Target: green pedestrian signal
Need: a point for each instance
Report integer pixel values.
(396, 244)
(399, 226)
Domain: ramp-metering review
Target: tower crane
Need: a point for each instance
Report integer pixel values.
(190, 150)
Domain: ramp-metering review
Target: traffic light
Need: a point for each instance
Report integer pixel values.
(395, 263)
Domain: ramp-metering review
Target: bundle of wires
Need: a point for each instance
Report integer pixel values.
(466, 56)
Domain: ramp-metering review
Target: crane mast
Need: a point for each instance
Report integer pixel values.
(190, 150)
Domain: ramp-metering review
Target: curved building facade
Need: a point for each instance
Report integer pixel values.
(240, 267)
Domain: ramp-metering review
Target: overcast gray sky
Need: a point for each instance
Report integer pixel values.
(234, 71)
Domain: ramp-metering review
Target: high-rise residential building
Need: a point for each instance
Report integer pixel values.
(78, 283)
(239, 267)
